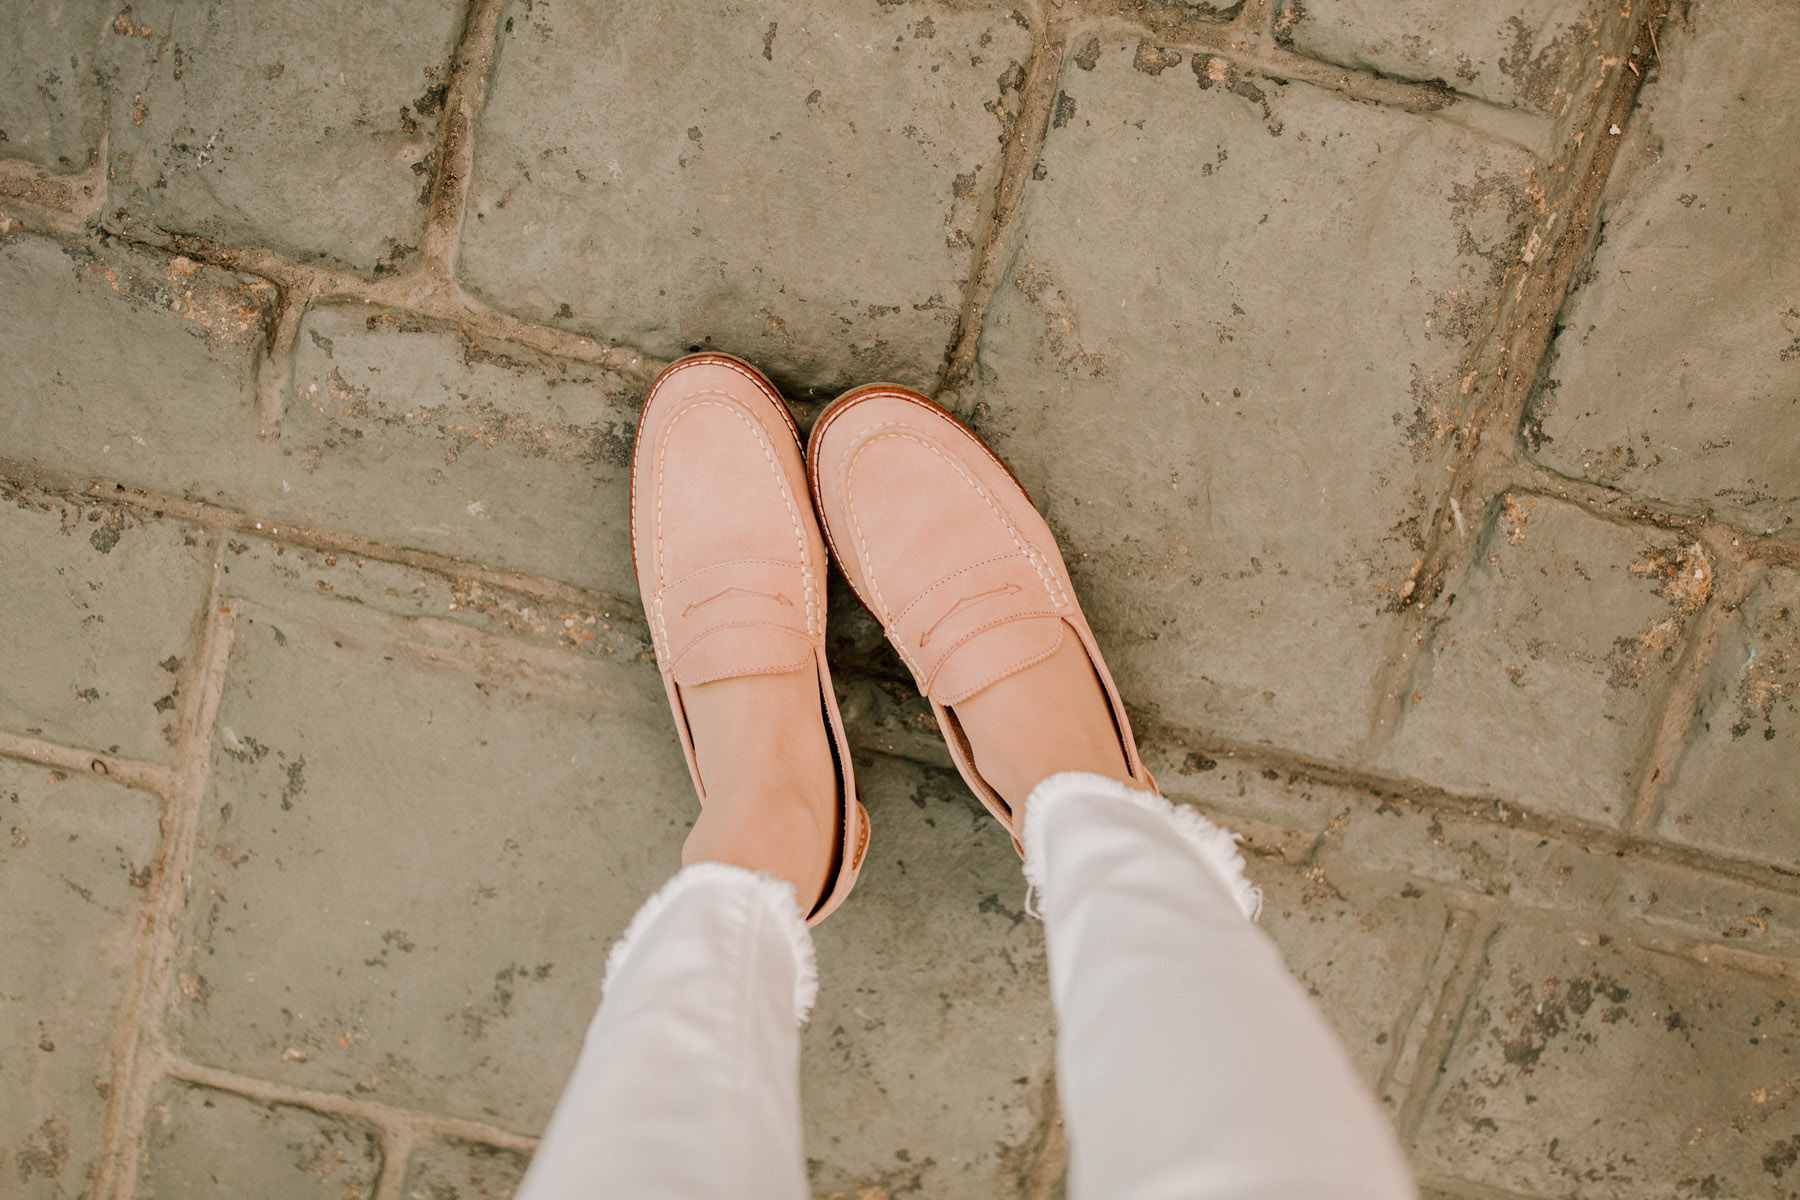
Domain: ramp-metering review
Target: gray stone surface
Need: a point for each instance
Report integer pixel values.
(538, 773)
(420, 437)
(1541, 55)
(1234, 440)
(1677, 372)
(208, 1145)
(132, 366)
(1556, 877)
(1260, 802)
(75, 858)
(1545, 703)
(271, 573)
(1759, 922)
(141, 367)
(1361, 944)
(1478, 857)
(1733, 790)
(442, 1169)
(49, 95)
(305, 128)
(102, 620)
(926, 1068)
(803, 184)
(1587, 1067)
(435, 941)
(1235, 323)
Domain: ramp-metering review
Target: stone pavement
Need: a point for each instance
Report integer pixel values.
(1415, 386)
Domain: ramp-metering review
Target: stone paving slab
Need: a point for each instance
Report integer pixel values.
(302, 128)
(141, 367)
(1585, 1066)
(1236, 449)
(1290, 813)
(426, 1005)
(103, 614)
(417, 436)
(442, 1169)
(1541, 55)
(132, 366)
(800, 184)
(1733, 790)
(1555, 877)
(1723, 916)
(926, 1066)
(1370, 943)
(1547, 700)
(76, 856)
(50, 98)
(1521, 867)
(210, 1145)
(272, 574)
(1677, 372)
(417, 781)
(435, 941)
(1363, 946)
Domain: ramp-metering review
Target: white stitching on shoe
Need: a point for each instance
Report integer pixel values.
(1052, 586)
(697, 572)
(960, 571)
(762, 440)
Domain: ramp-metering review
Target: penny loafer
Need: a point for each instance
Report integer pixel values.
(730, 561)
(943, 547)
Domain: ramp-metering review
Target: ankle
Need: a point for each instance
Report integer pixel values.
(770, 783)
(1050, 717)
(762, 830)
(1015, 779)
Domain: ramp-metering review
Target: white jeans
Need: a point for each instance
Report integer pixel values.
(1189, 1062)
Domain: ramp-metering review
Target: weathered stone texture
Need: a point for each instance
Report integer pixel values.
(141, 367)
(446, 1170)
(449, 976)
(417, 436)
(269, 573)
(1236, 444)
(801, 184)
(1475, 856)
(102, 621)
(1548, 701)
(417, 908)
(305, 128)
(202, 1144)
(1294, 811)
(933, 1079)
(1716, 911)
(1237, 323)
(75, 858)
(1676, 376)
(131, 366)
(1559, 878)
(1545, 56)
(1361, 945)
(1584, 1066)
(49, 93)
(1734, 789)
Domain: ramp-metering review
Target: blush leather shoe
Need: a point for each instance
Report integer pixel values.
(731, 564)
(942, 545)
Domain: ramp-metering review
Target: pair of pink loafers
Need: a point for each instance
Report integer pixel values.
(935, 536)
